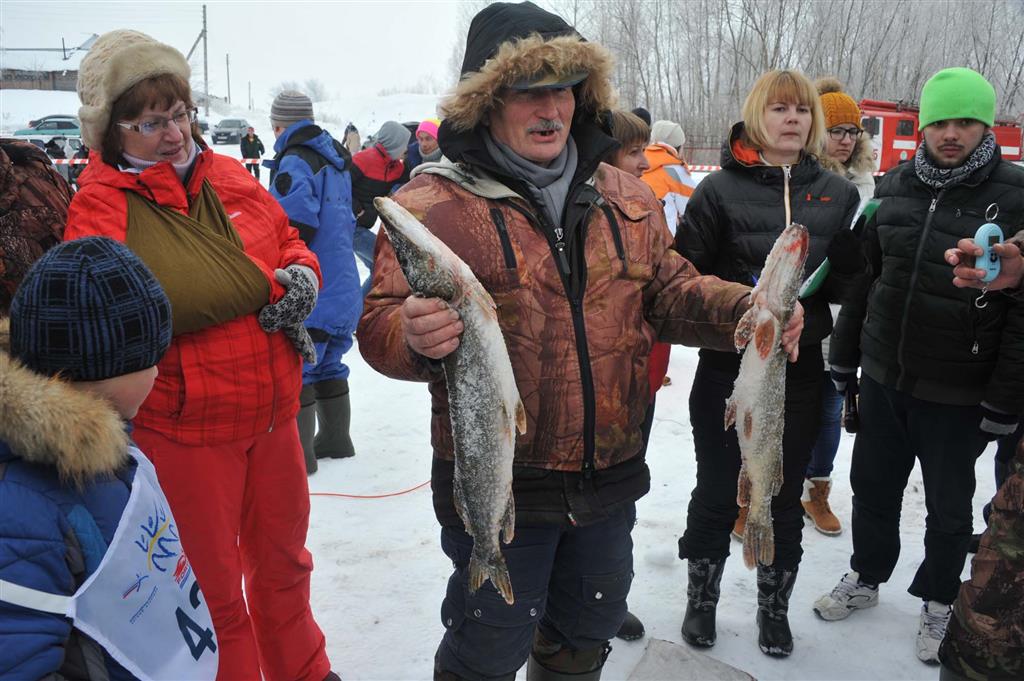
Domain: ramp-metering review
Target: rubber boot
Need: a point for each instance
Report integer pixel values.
(307, 426)
(632, 628)
(774, 587)
(551, 661)
(705, 579)
(335, 415)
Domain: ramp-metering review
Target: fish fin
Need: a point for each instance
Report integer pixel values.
(744, 329)
(730, 413)
(496, 571)
(743, 487)
(460, 503)
(758, 543)
(766, 336)
(520, 418)
(508, 522)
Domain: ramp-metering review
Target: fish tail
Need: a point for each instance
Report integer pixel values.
(496, 570)
(758, 543)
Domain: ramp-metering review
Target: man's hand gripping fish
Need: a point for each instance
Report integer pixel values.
(757, 404)
(483, 399)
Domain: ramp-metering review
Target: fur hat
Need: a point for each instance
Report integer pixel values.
(838, 107)
(89, 309)
(668, 132)
(291, 106)
(515, 45)
(116, 62)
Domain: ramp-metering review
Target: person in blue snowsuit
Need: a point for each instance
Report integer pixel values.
(310, 179)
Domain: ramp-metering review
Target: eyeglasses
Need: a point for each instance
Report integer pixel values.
(837, 134)
(155, 125)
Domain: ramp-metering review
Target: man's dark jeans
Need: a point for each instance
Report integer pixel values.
(896, 429)
(571, 582)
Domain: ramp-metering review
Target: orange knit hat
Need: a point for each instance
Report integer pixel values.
(837, 106)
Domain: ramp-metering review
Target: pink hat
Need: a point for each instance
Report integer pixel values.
(429, 126)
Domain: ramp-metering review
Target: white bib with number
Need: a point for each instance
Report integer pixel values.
(142, 603)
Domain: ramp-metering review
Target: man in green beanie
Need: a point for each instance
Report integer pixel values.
(942, 367)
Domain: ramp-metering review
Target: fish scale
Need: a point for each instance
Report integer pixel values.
(757, 404)
(484, 403)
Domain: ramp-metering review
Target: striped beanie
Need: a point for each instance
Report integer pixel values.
(89, 310)
(291, 106)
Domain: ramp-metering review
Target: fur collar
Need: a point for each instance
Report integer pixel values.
(45, 421)
(477, 93)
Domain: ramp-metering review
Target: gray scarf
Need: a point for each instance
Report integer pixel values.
(549, 186)
(943, 178)
(432, 157)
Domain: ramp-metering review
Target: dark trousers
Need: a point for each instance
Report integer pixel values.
(896, 429)
(824, 453)
(571, 582)
(713, 510)
(254, 168)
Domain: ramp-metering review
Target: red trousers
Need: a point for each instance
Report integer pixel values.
(242, 511)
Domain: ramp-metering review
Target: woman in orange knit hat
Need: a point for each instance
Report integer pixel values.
(847, 149)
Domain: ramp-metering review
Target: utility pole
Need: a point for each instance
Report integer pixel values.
(250, 95)
(227, 63)
(206, 70)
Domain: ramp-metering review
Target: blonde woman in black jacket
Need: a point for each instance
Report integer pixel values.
(768, 179)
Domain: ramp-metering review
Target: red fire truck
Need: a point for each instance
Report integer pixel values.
(894, 135)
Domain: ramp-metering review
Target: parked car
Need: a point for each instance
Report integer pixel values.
(53, 117)
(67, 126)
(230, 130)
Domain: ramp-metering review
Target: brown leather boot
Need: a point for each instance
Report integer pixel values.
(741, 524)
(815, 502)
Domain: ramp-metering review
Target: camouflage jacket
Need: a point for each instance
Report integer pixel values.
(985, 639)
(580, 363)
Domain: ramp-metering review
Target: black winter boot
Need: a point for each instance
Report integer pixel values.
(307, 426)
(551, 661)
(335, 415)
(705, 579)
(632, 628)
(774, 587)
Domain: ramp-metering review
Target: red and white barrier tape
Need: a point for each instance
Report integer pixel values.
(69, 161)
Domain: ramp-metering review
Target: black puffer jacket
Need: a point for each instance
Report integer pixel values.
(736, 214)
(913, 331)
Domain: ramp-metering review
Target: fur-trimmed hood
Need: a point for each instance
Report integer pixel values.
(45, 421)
(525, 56)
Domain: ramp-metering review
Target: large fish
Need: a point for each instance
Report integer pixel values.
(756, 406)
(483, 399)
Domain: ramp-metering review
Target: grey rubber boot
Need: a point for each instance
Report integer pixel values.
(307, 426)
(335, 415)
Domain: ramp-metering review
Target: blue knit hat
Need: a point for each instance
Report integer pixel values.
(88, 310)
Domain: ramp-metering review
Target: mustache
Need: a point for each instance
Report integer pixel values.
(546, 126)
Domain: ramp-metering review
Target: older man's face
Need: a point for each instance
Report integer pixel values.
(534, 123)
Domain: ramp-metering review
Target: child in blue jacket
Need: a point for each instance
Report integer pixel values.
(79, 597)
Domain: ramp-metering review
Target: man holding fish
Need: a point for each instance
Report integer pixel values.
(574, 259)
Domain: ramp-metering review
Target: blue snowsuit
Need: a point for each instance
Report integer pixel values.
(311, 181)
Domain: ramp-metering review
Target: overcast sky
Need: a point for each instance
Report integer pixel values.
(354, 48)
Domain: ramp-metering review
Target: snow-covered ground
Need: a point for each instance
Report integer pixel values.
(380, 573)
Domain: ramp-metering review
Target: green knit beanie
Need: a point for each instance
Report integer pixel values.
(957, 93)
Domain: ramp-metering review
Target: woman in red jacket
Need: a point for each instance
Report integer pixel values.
(220, 422)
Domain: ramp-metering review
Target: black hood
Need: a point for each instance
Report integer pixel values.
(505, 21)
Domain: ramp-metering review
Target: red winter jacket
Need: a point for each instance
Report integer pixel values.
(230, 381)
(374, 174)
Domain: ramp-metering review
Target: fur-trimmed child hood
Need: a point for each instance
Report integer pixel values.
(45, 421)
(508, 43)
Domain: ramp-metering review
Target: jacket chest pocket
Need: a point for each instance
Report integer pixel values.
(497, 264)
(626, 235)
